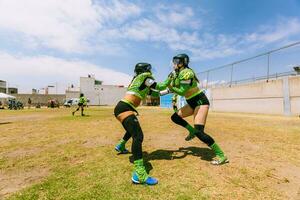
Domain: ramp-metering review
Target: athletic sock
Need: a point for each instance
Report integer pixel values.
(217, 149)
(140, 170)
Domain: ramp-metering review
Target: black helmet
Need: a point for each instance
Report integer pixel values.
(181, 59)
(142, 67)
(81, 94)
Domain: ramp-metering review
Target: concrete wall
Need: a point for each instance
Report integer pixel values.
(72, 94)
(294, 83)
(39, 98)
(281, 96)
(101, 94)
(110, 94)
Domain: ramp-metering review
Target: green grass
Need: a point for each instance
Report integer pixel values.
(49, 154)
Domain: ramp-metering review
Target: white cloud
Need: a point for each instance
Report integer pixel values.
(218, 46)
(118, 11)
(87, 26)
(66, 25)
(283, 29)
(177, 16)
(34, 72)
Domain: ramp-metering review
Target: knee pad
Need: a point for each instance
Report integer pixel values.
(178, 120)
(203, 136)
(132, 126)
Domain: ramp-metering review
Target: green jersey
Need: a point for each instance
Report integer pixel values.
(184, 81)
(143, 84)
(137, 86)
(82, 100)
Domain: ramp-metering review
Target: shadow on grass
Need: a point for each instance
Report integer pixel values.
(161, 154)
(3, 123)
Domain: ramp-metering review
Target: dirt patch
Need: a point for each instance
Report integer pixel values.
(35, 117)
(10, 183)
(21, 153)
(98, 142)
(288, 180)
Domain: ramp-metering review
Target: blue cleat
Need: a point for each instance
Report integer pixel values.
(121, 149)
(148, 181)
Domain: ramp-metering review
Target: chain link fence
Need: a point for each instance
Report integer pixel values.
(269, 65)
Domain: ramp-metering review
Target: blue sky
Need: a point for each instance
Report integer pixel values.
(53, 41)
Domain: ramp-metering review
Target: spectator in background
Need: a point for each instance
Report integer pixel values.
(29, 103)
(81, 104)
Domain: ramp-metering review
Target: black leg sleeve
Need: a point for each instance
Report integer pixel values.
(132, 126)
(82, 109)
(126, 136)
(178, 120)
(203, 136)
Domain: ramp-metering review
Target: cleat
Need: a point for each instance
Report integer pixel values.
(221, 158)
(73, 113)
(148, 181)
(220, 161)
(190, 137)
(121, 149)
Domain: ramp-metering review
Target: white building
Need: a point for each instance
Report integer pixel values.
(3, 86)
(97, 93)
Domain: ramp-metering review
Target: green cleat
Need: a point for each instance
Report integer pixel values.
(220, 160)
(220, 157)
(140, 175)
(120, 147)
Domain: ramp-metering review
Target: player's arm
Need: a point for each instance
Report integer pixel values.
(181, 90)
(154, 86)
(186, 81)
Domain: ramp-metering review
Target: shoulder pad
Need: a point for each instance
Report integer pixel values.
(146, 75)
(186, 74)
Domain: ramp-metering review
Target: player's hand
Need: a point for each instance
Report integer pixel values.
(172, 75)
(164, 92)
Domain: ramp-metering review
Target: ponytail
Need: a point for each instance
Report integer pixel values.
(195, 77)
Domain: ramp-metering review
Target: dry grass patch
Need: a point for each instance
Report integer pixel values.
(49, 154)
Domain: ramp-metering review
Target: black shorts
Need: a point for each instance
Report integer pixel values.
(80, 104)
(198, 100)
(123, 107)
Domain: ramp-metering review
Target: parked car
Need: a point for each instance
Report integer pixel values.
(71, 102)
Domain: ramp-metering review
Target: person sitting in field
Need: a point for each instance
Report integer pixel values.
(81, 104)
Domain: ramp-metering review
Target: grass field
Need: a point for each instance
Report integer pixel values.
(49, 154)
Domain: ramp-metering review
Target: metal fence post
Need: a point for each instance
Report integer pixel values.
(268, 70)
(231, 75)
(207, 79)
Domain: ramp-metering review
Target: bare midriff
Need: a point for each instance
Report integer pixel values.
(134, 100)
(191, 91)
